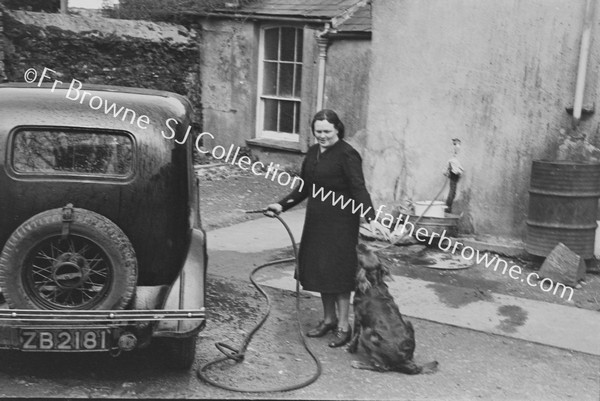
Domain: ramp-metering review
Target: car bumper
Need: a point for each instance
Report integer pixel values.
(41, 330)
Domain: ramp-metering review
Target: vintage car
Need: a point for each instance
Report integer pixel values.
(102, 246)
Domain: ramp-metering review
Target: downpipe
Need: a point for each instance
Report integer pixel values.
(584, 53)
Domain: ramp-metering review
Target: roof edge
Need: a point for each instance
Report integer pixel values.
(341, 35)
(255, 16)
(335, 21)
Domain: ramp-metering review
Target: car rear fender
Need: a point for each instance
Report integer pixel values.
(188, 290)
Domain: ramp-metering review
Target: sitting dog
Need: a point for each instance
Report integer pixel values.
(388, 340)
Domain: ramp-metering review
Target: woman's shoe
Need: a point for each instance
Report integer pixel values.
(341, 337)
(321, 329)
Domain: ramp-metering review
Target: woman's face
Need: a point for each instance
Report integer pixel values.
(325, 133)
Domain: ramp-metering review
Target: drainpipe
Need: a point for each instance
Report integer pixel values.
(322, 42)
(584, 53)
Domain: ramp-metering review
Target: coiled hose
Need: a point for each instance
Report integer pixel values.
(238, 355)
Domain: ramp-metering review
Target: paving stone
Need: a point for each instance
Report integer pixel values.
(564, 266)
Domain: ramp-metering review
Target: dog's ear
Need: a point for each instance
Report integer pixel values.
(362, 283)
(385, 272)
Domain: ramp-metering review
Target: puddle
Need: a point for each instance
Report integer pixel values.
(418, 259)
(436, 260)
(455, 297)
(514, 316)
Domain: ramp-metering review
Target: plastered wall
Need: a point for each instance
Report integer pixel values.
(228, 73)
(347, 84)
(496, 74)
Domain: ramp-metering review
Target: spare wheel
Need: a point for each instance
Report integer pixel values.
(68, 258)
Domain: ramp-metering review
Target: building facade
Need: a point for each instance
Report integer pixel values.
(498, 75)
(269, 66)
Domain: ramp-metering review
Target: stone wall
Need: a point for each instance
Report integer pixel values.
(103, 51)
(2, 74)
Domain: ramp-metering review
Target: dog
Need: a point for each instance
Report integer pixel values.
(388, 340)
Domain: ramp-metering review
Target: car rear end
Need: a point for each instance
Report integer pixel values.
(73, 177)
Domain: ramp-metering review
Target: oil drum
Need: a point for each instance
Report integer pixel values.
(563, 201)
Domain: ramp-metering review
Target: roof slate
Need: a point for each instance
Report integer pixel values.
(360, 21)
(321, 9)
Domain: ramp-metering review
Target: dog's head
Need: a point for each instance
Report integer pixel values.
(388, 348)
(370, 270)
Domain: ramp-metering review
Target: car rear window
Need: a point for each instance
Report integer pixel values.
(67, 151)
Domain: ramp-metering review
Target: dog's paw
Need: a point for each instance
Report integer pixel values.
(430, 367)
(357, 365)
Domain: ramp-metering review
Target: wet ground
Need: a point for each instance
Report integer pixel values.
(473, 365)
(227, 191)
(415, 260)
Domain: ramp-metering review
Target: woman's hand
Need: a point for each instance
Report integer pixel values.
(273, 210)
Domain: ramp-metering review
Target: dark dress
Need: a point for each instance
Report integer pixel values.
(327, 256)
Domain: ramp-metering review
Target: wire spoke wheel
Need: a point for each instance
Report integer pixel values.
(71, 273)
(87, 264)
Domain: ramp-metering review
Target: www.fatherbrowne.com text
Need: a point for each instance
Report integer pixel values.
(76, 93)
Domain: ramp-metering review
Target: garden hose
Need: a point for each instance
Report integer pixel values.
(238, 355)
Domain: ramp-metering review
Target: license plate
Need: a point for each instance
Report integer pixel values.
(65, 339)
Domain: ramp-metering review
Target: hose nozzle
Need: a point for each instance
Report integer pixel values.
(255, 211)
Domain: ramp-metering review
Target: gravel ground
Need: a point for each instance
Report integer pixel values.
(473, 365)
(226, 191)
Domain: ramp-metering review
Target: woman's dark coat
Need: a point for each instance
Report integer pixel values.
(327, 250)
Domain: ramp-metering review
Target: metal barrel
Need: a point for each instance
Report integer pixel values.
(563, 201)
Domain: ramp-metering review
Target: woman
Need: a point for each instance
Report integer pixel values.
(327, 257)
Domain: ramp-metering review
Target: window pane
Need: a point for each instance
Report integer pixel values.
(282, 78)
(68, 151)
(286, 123)
(298, 83)
(270, 78)
(288, 44)
(299, 39)
(270, 123)
(286, 80)
(297, 113)
(271, 43)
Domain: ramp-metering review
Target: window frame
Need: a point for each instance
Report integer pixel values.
(70, 176)
(261, 133)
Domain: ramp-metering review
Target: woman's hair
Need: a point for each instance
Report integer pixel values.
(331, 117)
